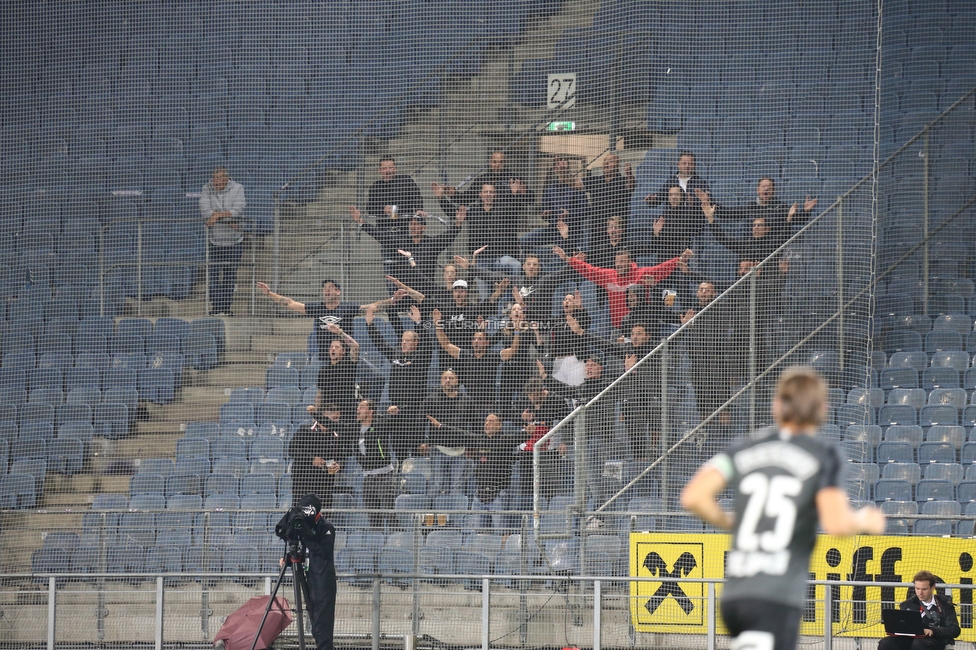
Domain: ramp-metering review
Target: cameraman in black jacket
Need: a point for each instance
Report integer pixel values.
(318, 537)
(938, 616)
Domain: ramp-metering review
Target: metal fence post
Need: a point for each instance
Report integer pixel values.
(597, 614)
(663, 444)
(753, 351)
(580, 474)
(711, 615)
(52, 593)
(485, 613)
(925, 221)
(206, 279)
(376, 612)
(139, 267)
(828, 617)
(159, 612)
(840, 280)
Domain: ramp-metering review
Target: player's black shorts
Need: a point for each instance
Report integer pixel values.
(761, 624)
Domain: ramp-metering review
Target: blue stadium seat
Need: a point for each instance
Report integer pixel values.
(858, 451)
(66, 455)
(953, 435)
(172, 327)
(157, 385)
(200, 351)
(17, 491)
(909, 472)
(936, 452)
(163, 343)
(205, 430)
(225, 502)
(911, 396)
(911, 434)
(951, 359)
(229, 446)
(222, 484)
(183, 501)
(848, 415)
(934, 490)
(249, 395)
(258, 484)
(902, 340)
(146, 483)
(898, 378)
(931, 415)
(289, 395)
(966, 492)
(915, 359)
(941, 378)
(949, 471)
(892, 490)
(891, 414)
(279, 377)
(870, 433)
(410, 508)
(954, 397)
(943, 341)
(871, 396)
(215, 328)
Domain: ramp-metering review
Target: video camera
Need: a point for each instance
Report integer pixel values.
(297, 524)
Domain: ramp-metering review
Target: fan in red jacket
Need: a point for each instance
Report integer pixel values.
(624, 274)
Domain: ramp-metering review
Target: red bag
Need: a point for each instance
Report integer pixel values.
(240, 627)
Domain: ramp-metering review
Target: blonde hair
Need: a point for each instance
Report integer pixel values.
(802, 396)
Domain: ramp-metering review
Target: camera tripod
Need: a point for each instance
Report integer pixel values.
(295, 558)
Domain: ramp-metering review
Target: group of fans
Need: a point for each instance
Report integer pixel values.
(515, 356)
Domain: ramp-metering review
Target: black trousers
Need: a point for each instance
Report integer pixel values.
(761, 624)
(908, 643)
(378, 494)
(322, 589)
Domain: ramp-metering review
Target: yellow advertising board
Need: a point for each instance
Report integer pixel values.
(666, 604)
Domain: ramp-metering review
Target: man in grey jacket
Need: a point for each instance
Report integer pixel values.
(222, 205)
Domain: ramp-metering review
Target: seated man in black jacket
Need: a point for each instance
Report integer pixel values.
(938, 617)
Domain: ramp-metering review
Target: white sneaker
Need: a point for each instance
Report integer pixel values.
(594, 523)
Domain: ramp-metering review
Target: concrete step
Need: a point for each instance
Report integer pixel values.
(156, 445)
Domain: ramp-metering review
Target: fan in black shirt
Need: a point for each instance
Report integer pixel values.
(409, 363)
(493, 455)
(477, 367)
(337, 377)
(450, 415)
(331, 311)
(392, 191)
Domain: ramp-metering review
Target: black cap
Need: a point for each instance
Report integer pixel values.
(325, 282)
(310, 501)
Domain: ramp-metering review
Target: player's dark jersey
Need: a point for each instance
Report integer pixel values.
(775, 478)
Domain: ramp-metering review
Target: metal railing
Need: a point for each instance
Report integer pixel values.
(489, 613)
(139, 265)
